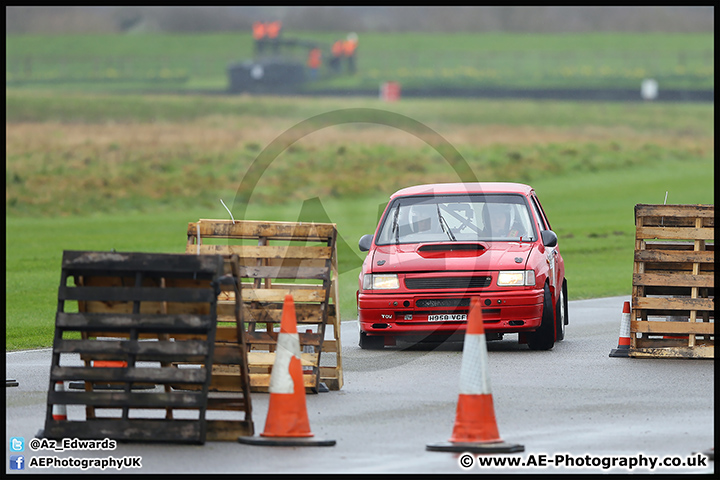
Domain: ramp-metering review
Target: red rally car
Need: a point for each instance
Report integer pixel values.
(438, 245)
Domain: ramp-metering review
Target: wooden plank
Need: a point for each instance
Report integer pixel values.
(696, 328)
(166, 323)
(284, 262)
(117, 399)
(674, 210)
(252, 229)
(81, 262)
(260, 337)
(275, 295)
(268, 359)
(677, 221)
(647, 303)
(259, 382)
(272, 312)
(684, 245)
(674, 256)
(680, 268)
(264, 251)
(146, 308)
(284, 272)
(674, 340)
(130, 374)
(136, 294)
(146, 430)
(698, 351)
(672, 233)
(148, 350)
(674, 279)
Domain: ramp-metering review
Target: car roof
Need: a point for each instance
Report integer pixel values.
(468, 187)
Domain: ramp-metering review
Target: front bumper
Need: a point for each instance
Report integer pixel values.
(503, 311)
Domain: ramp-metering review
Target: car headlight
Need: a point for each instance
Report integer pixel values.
(516, 278)
(380, 282)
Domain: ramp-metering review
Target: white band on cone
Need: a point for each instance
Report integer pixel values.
(625, 325)
(288, 346)
(473, 376)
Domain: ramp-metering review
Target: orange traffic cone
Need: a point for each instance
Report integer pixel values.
(109, 363)
(623, 348)
(59, 412)
(475, 427)
(287, 421)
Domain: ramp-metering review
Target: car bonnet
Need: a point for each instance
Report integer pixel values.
(463, 256)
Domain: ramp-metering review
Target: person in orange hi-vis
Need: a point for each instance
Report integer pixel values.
(337, 53)
(349, 48)
(259, 32)
(273, 33)
(314, 61)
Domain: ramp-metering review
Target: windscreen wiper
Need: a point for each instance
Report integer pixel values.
(444, 225)
(395, 227)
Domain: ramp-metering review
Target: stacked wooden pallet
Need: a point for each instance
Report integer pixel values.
(144, 316)
(673, 300)
(276, 259)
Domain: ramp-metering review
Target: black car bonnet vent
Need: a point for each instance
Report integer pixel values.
(452, 247)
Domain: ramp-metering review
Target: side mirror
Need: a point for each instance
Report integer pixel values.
(365, 243)
(549, 238)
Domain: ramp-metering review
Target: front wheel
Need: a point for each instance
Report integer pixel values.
(561, 317)
(544, 337)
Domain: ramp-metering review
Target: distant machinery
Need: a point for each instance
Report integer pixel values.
(277, 67)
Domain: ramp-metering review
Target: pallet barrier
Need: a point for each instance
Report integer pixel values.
(673, 296)
(153, 312)
(276, 259)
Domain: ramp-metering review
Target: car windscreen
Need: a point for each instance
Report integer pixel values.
(466, 217)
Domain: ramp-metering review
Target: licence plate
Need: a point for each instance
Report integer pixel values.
(459, 317)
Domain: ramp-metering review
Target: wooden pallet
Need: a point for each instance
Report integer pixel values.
(673, 282)
(149, 312)
(277, 258)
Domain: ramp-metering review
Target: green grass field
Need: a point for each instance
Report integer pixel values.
(97, 172)
(161, 62)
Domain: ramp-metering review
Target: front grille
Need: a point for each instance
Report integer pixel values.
(442, 302)
(446, 283)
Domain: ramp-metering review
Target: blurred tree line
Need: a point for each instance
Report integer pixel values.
(541, 19)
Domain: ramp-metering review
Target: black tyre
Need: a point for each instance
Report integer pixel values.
(561, 315)
(368, 342)
(544, 337)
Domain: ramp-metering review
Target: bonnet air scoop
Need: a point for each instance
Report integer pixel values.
(435, 250)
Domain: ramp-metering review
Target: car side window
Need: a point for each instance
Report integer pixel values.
(539, 213)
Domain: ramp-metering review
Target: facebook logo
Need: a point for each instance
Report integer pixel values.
(17, 462)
